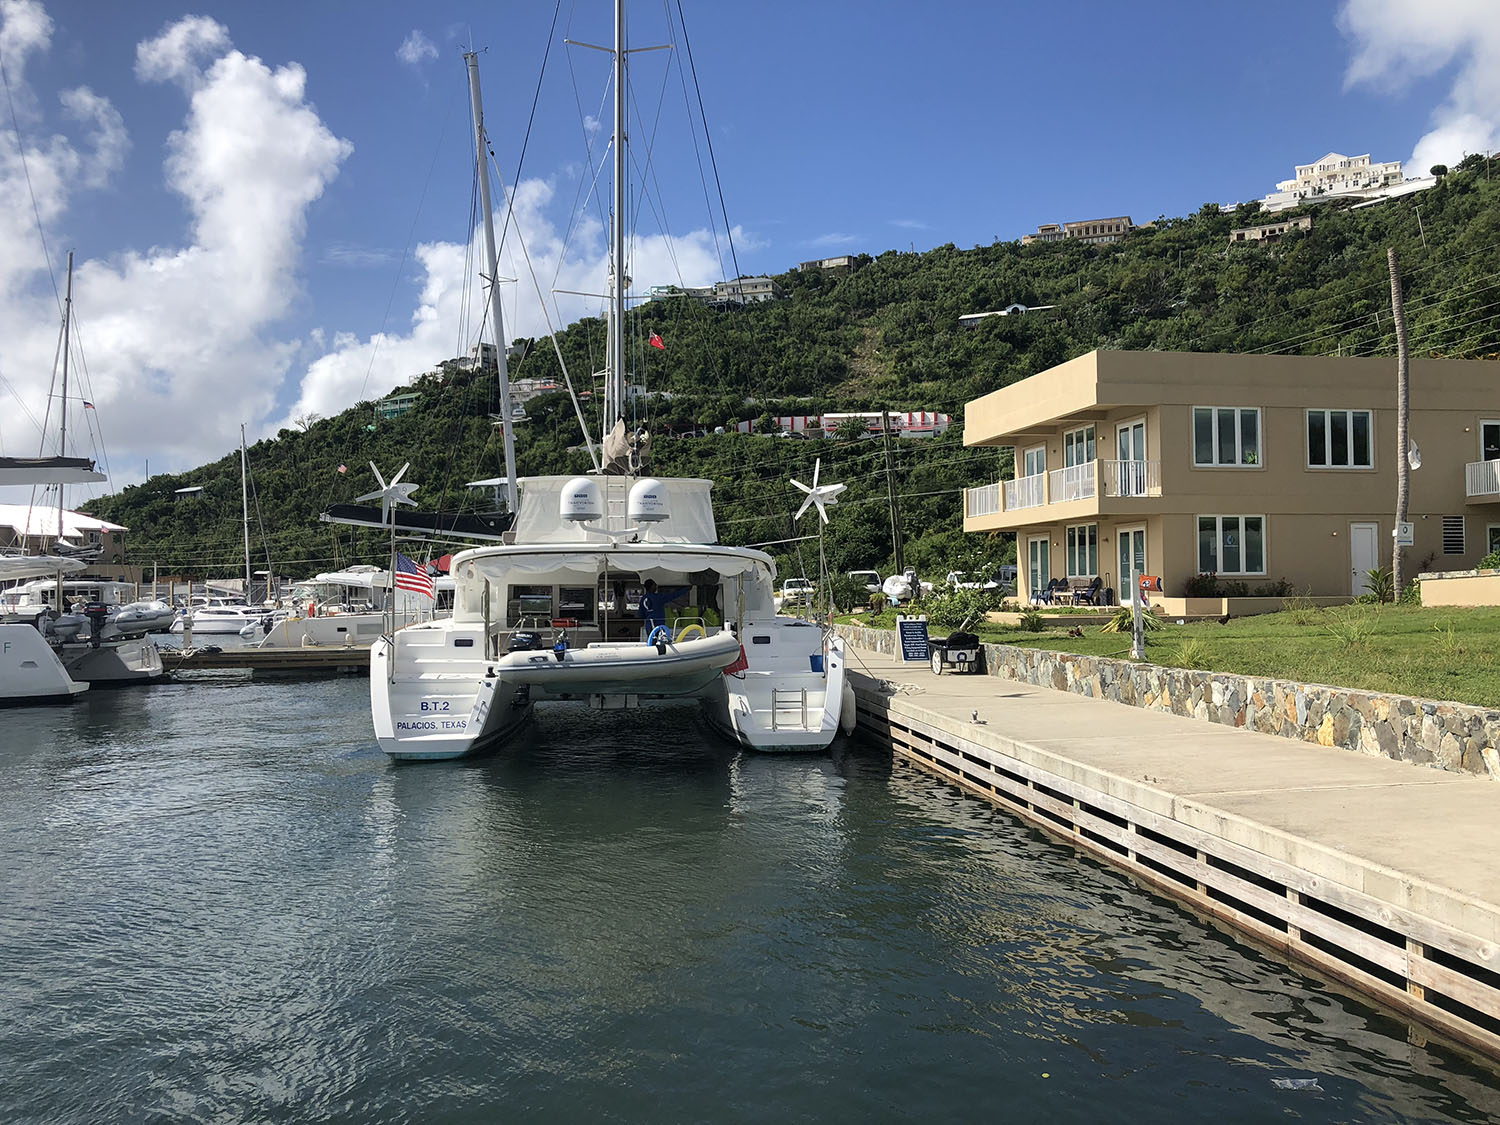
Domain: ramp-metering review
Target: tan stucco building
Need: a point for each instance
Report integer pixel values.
(1252, 468)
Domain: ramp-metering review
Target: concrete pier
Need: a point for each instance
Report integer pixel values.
(1380, 874)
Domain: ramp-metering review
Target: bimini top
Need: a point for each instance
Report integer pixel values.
(690, 517)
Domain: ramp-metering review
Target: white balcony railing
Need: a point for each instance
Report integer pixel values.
(1076, 482)
(982, 501)
(1482, 478)
(1025, 492)
(1130, 478)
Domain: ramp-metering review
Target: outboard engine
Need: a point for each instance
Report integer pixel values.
(97, 614)
(524, 640)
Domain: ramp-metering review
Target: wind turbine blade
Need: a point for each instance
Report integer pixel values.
(811, 497)
(805, 488)
(817, 467)
(395, 480)
(822, 511)
(380, 480)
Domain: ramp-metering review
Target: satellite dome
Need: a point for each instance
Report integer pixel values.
(581, 501)
(648, 502)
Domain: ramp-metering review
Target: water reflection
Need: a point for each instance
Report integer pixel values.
(224, 903)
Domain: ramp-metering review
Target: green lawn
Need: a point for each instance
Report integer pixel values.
(1451, 654)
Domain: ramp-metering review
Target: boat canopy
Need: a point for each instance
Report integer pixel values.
(690, 517)
(661, 565)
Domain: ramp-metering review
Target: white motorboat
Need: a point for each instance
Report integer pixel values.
(611, 591)
(211, 616)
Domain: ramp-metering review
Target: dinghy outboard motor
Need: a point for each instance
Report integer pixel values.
(97, 614)
(524, 640)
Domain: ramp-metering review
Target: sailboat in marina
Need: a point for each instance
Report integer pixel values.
(611, 591)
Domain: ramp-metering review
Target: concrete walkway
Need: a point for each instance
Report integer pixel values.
(1421, 839)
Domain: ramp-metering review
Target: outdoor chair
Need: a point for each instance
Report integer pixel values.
(1091, 594)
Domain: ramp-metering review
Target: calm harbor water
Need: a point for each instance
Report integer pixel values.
(221, 903)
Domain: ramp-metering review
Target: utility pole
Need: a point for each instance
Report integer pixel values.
(1403, 409)
(890, 491)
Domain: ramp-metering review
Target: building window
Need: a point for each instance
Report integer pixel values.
(1492, 537)
(1226, 435)
(1078, 447)
(1083, 550)
(1453, 535)
(1339, 439)
(1232, 544)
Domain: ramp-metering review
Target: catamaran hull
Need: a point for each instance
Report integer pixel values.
(30, 671)
(783, 702)
(114, 663)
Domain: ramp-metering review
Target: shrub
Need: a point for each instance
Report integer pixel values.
(1234, 590)
(1490, 561)
(1031, 620)
(1382, 583)
(1281, 588)
(1201, 586)
(1124, 621)
(1412, 595)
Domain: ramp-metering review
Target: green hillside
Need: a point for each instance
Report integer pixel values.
(885, 335)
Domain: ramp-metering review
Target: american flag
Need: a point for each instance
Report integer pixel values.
(410, 576)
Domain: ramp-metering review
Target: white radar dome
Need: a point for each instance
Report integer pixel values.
(648, 502)
(581, 501)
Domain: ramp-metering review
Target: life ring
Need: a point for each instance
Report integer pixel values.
(660, 635)
(687, 631)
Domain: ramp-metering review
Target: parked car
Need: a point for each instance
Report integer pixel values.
(796, 590)
(870, 579)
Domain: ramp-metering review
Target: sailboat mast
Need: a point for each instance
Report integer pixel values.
(614, 392)
(245, 506)
(481, 147)
(62, 446)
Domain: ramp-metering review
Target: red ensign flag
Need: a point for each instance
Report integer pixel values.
(656, 342)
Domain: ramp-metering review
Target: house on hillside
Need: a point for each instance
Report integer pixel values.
(1253, 468)
(393, 406)
(1093, 231)
(1270, 232)
(1335, 174)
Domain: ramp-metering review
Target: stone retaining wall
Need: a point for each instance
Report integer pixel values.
(1449, 736)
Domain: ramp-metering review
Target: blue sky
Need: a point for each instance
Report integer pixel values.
(270, 202)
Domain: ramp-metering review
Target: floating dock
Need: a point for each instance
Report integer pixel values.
(324, 660)
(1379, 874)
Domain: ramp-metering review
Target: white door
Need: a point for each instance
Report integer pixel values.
(1364, 555)
(1039, 564)
(1132, 562)
(1130, 447)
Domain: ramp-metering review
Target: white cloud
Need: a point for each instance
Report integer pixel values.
(25, 28)
(833, 238)
(1398, 42)
(416, 49)
(179, 52)
(441, 326)
(179, 340)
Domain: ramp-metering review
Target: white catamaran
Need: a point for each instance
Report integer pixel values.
(611, 592)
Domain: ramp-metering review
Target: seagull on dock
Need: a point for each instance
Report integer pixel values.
(824, 496)
(391, 494)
